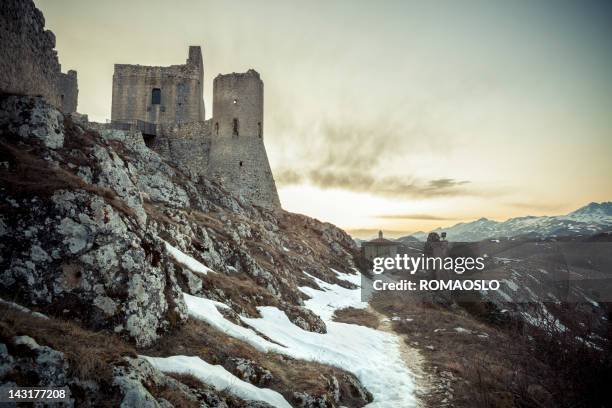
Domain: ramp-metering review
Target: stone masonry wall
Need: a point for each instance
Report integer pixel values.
(68, 91)
(241, 164)
(185, 144)
(181, 88)
(28, 61)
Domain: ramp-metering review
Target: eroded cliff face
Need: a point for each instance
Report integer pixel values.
(91, 223)
(85, 214)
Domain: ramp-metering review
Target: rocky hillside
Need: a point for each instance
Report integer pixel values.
(103, 237)
(588, 220)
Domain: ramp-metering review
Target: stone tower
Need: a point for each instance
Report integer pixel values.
(69, 91)
(237, 155)
(159, 95)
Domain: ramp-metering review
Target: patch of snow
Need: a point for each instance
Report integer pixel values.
(354, 278)
(372, 355)
(333, 297)
(545, 320)
(511, 284)
(219, 378)
(504, 295)
(591, 301)
(186, 260)
(462, 330)
(589, 343)
(206, 310)
(534, 278)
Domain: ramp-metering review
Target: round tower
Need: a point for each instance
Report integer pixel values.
(238, 157)
(238, 105)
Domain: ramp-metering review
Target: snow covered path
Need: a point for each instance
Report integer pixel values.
(373, 356)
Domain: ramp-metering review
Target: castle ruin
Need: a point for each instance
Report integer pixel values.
(28, 61)
(166, 104)
(159, 95)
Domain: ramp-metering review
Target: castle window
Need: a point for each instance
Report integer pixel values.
(240, 164)
(235, 101)
(156, 96)
(217, 128)
(259, 129)
(235, 127)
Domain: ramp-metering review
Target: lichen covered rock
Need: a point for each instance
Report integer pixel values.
(86, 211)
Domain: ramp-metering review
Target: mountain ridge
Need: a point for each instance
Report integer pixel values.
(590, 219)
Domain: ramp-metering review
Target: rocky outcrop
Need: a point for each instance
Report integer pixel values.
(79, 250)
(86, 211)
(135, 382)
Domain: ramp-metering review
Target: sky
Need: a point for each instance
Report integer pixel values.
(393, 115)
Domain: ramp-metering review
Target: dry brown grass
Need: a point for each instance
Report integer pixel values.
(29, 175)
(207, 220)
(89, 354)
(241, 289)
(357, 316)
(514, 365)
(174, 395)
(483, 370)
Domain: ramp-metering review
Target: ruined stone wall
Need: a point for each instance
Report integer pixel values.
(28, 61)
(185, 144)
(242, 167)
(238, 156)
(180, 86)
(68, 91)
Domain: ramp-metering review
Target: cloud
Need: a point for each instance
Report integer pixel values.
(353, 157)
(365, 182)
(428, 217)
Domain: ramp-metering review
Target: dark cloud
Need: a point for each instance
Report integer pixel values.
(414, 217)
(350, 157)
(365, 182)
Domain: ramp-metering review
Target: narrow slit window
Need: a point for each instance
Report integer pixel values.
(235, 127)
(240, 164)
(259, 129)
(156, 96)
(216, 128)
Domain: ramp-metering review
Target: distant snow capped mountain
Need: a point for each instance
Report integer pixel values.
(588, 220)
(594, 212)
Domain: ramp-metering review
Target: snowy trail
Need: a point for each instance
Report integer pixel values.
(374, 356)
(377, 358)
